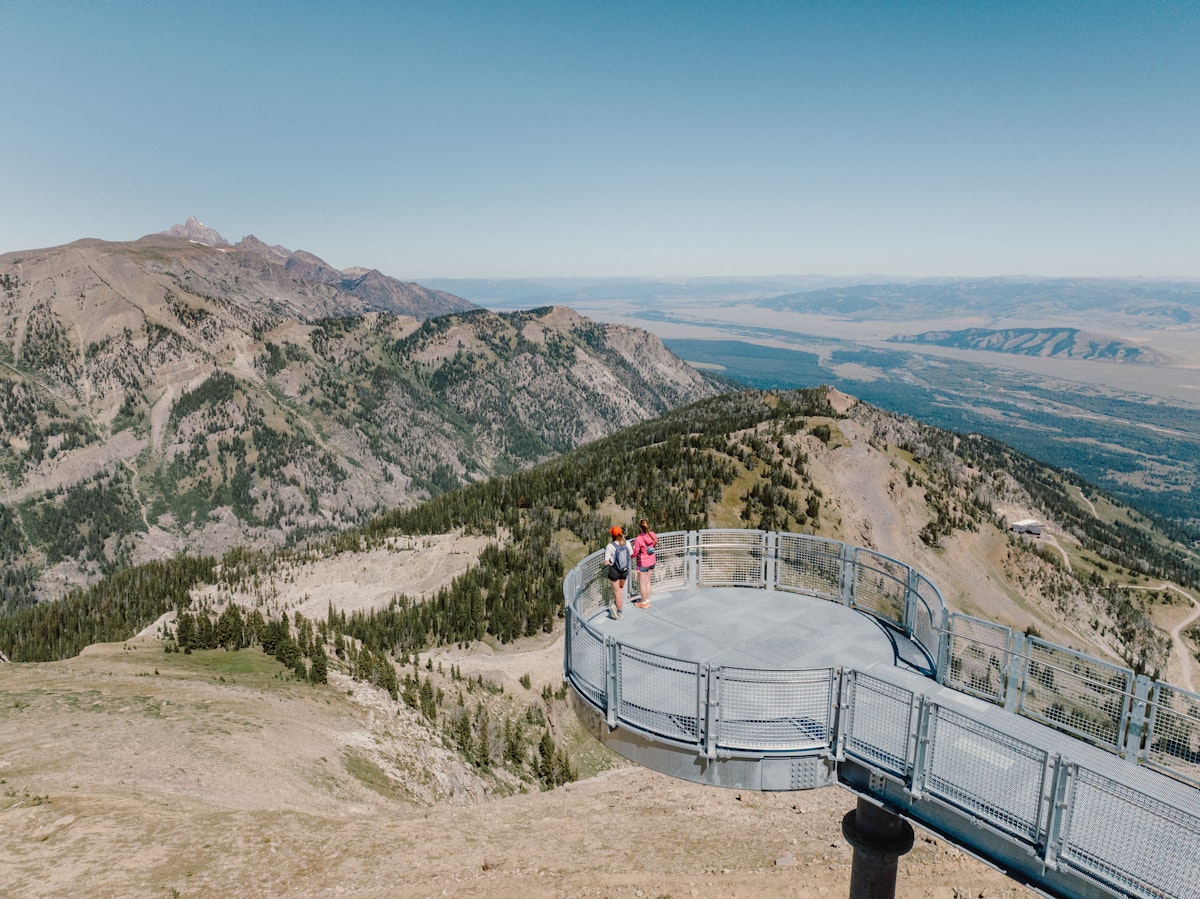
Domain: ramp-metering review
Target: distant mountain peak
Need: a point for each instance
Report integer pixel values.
(253, 244)
(195, 230)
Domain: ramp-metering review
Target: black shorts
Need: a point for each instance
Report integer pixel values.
(614, 575)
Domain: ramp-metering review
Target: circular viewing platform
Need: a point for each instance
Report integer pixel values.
(787, 662)
(729, 677)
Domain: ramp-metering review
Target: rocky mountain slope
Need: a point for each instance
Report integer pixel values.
(810, 461)
(166, 395)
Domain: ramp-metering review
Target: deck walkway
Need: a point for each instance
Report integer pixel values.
(993, 780)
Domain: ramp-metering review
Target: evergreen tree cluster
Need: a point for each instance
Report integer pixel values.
(29, 414)
(513, 592)
(114, 609)
(231, 630)
(82, 522)
(47, 347)
(488, 734)
(234, 629)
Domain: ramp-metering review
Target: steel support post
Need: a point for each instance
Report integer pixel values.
(771, 557)
(878, 838)
(1014, 680)
(846, 574)
(945, 647)
(912, 590)
(1138, 718)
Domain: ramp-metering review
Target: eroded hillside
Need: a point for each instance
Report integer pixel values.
(164, 395)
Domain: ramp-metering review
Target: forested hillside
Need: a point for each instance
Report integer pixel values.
(775, 461)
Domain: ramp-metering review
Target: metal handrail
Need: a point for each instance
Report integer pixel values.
(1138, 716)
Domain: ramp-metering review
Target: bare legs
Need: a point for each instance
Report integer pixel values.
(644, 581)
(618, 595)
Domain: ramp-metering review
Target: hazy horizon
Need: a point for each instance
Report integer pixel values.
(647, 140)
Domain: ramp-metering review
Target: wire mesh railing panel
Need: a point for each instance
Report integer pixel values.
(588, 668)
(986, 772)
(1174, 744)
(880, 586)
(927, 618)
(878, 723)
(594, 592)
(1134, 842)
(731, 559)
(658, 694)
(809, 565)
(670, 567)
(885, 565)
(775, 709)
(979, 656)
(1074, 693)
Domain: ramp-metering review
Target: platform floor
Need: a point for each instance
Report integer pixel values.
(739, 627)
(750, 628)
(777, 630)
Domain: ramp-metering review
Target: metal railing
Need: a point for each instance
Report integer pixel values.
(1142, 720)
(1133, 840)
(1070, 816)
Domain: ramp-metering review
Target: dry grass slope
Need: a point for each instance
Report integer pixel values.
(213, 777)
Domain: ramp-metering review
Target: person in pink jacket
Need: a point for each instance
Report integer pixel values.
(644, 557)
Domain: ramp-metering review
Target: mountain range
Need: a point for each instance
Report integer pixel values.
(1090, 375)
(439, 725)
(178, 393)
(1071, 343)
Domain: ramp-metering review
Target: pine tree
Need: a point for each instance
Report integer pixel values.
(545, 764)
(514, 742)
(319, 673)
(428, 706)
(483, 746)
(185, 631)
(287, 652)
(230, 628)
(462, 733)
(206, 633)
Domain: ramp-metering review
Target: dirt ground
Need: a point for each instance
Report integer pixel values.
(127, 772)
(355, 582)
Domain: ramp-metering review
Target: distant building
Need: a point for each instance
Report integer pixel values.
(1026, 526)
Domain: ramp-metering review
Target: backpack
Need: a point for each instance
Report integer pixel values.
(620, 562)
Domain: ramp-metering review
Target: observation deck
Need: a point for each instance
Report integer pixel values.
(786, 662)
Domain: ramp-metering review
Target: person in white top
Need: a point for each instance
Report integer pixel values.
(617, 559)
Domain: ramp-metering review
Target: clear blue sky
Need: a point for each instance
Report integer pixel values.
(507, 139)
